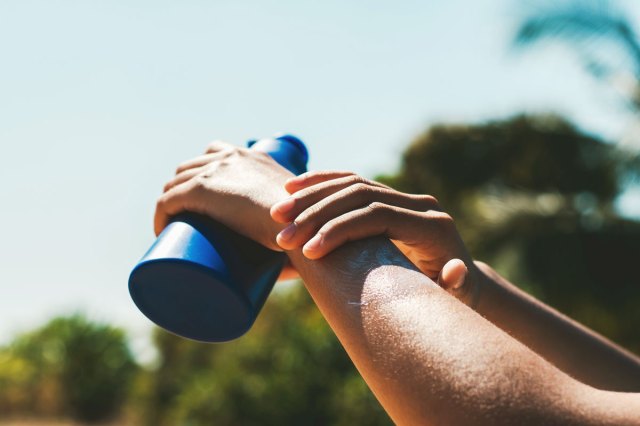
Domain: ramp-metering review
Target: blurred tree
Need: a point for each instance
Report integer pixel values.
(289, 369)
(71, 367)
(533, 197)
(587, 25)
(609, 48)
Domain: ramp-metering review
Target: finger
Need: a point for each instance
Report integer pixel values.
(363, 192)
(308, 179)
(453, 275)
(170, 204)
(195, 163)
(376, 219)
(201, 160)
(217, 146)
(288, 209)
(351, 198)
(182, 178)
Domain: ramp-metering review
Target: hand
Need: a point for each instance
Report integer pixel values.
(235, 186)
(329, 209)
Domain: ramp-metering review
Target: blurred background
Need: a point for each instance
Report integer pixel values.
(521, 117)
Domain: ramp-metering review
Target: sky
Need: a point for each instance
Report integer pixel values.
(100, 100)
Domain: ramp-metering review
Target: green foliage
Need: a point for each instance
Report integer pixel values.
(535, 154)
(71, 367)
(289, 369)
(533, 197)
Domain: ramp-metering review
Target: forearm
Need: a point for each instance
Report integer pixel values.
(430, 359)
(576, 350)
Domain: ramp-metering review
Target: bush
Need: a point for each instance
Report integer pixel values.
(71, 367)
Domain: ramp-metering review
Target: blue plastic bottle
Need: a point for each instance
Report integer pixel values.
(201, 280)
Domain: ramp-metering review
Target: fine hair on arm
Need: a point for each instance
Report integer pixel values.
(430, 359)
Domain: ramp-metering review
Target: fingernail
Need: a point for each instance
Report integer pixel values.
(284, 206)
(313, 244)
(461, 280)
(287, 233)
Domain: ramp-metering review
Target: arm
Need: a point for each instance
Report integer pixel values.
(570, 346)
(429, 359)
(335, 207)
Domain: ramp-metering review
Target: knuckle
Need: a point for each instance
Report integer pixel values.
(427, 201)
(211, 147)
(360, 187)
(182, 167)
(201, 179)
(342, 173)
(198, 183)
(161, 203)
(354, 179)
(227, 152)
(360, 192)
(378, 208)
(443, 218)
(215, 146)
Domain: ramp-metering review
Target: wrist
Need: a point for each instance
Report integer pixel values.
(484, 277)
(470, 292)
(268, 197)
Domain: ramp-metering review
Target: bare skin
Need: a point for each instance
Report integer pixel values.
(570, 346)
(429, 358)
(327, 209)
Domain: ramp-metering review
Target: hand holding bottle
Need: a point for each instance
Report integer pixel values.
(232, 185)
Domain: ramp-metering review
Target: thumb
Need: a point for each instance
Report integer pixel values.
(453, 275)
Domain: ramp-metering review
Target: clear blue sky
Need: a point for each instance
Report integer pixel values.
(99, 100)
